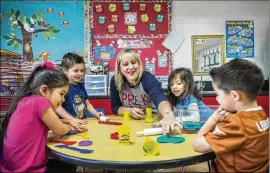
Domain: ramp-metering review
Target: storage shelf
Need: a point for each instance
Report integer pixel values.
(95, 85)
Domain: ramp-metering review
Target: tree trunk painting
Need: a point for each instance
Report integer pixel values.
(27, 44)
(28, 26)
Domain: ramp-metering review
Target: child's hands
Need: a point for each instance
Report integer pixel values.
(82, 128)
(76, 126)
(80, 121)
(99, 114)
(137, 113)
(220, 114)
(103, 117)
(168, 123)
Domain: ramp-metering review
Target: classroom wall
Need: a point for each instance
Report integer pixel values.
(208, 18)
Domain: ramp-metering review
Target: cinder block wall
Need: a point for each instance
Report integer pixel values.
(208, 18)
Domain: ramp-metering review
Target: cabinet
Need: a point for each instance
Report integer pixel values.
(95, 85)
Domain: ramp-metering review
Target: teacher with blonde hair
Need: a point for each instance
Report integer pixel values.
(133, 89)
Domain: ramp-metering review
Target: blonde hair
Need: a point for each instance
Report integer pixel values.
(118, 77)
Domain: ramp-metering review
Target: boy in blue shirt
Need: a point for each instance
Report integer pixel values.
(76, 105)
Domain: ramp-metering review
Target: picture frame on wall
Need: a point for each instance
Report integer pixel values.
(99, 68)
(208, 51)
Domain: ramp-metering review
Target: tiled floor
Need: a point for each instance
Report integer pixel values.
(202, 167)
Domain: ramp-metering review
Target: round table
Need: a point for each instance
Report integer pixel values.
(108, 154)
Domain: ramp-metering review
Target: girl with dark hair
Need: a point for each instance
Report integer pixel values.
(184, 96)
(30, 116)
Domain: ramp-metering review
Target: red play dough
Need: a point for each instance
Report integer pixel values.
(110, 123)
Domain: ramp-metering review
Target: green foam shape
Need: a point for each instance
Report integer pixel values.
(170, 139)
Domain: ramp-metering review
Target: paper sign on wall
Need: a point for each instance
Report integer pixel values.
(173, 41)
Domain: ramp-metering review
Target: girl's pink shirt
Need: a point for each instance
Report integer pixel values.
(25, 138)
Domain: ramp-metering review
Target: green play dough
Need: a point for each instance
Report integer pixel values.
(170, 139)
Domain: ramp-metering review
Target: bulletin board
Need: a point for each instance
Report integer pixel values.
(36, 31)
(142, 25)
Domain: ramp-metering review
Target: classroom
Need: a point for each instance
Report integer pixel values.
(134, 86)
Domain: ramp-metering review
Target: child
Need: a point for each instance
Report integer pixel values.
(29, 118)
(240, 139)
(183, 95)
(76, 105)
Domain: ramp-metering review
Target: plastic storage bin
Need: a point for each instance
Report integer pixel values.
(95, 85)
(193, 126)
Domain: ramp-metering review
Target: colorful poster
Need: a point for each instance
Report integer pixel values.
(154, 56)
(141, 25)
(240, 39)
(45, 30)
(32, 32)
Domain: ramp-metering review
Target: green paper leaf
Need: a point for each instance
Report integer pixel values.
(52, 35)
(10, 22)
(34, 16)
(22, 18)
(6, 37)
(45, 35)
(56, 30)
(39, 13)
(11, 42)
(16, 45)
(13, 33)
(28, 21)
(15, 26)
(50, 28)
(12, 10)
(8, 15)
(17, 14)
(39, 23)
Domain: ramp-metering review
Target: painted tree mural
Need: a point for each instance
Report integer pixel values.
(29, 27)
